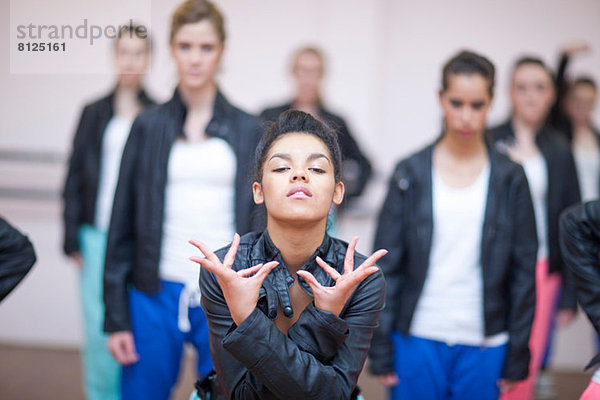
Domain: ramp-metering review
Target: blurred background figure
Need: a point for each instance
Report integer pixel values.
(184, 174)
(88, 199)
(459, 225)
(17, 256)
(544, 154)
(580, 244)
(572, 114)
(308, 71)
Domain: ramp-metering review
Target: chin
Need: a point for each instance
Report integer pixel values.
(301, 218)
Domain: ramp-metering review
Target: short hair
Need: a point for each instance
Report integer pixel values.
(192, 11)
(292, 121)
(315, 51)
(532, 60)
(469, 63)
(133, 30)
(584, 81)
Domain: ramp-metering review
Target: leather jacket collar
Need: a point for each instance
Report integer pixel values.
(217, 127)
(276, 285)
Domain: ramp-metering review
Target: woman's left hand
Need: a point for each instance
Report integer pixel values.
(333, 298)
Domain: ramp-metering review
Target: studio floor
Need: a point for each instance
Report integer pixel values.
(39, 373)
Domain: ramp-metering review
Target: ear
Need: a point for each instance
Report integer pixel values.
(257, 193)
(441, 96)
(338, 193)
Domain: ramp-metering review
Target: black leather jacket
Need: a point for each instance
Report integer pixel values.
(563, 191)
(357, 168)
(322, 355)
(508, 256)
(81, 186)
(135, 233)
(16, 257)
(580, 243)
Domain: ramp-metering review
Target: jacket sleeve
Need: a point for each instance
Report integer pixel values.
(16, 257)
(521, 288)
(121, 242)
(321, 359)
(72, 191)
(390, 235)
(580, 243)
(571, 196)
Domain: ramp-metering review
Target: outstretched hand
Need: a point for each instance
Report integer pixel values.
(333, 298)
(240, 288)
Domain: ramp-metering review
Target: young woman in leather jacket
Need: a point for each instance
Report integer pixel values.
(550, 168)
(291, 310)
(459, 226)
(184, 174)
(88, 199)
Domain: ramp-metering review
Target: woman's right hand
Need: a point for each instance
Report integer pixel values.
(389, 379)
(122, 347)
(240, 288)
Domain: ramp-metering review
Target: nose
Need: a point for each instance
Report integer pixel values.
(196, 56)
(466, 114)
(299, 175)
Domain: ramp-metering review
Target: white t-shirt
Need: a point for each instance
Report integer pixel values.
(450, 308)
(198, 205)
(536, 171)
(587, 162)
(113, 143)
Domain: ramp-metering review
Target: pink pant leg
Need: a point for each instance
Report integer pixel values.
(547, 287)
(592, 392)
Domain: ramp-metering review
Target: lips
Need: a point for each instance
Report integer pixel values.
(299, 192)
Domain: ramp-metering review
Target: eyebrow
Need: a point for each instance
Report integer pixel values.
(312, 156)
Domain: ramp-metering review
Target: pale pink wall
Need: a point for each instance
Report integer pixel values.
(384, 66)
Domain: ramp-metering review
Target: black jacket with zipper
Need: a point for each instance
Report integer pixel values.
(563, 191)
(508, 256)
(81, 186)
(322, 354)
(136, 227)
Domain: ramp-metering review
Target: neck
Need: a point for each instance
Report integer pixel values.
(201, 99)
(296, 243)
(582, 126)
(127, 91)
(310, 107)
(526, 129)
(469, 148)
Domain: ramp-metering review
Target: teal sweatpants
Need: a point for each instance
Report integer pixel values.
(101, 372)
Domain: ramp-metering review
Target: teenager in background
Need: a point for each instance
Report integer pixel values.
(308, 71)
(459, 225)
(88, 199)
(550, 168)
(184, 174)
